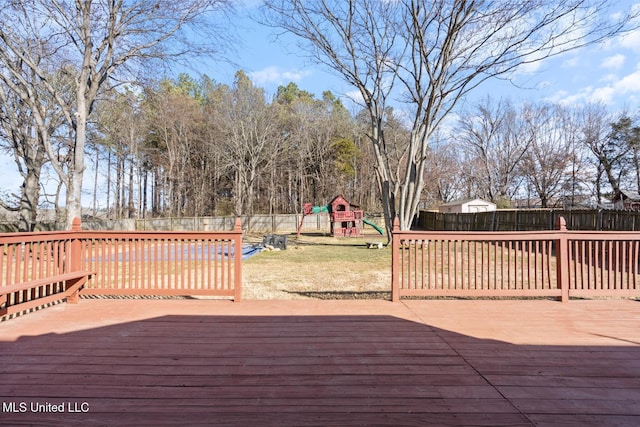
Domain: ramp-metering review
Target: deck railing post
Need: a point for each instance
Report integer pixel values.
(75, 258)
(395, 261)
(562, 259)
(237, 265)
(76, 246)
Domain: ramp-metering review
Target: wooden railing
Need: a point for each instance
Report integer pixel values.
(39, 268)
(557, 263)
(165, 263)
(42, 267)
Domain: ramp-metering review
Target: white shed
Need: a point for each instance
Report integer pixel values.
(467, 206)
(627, 201)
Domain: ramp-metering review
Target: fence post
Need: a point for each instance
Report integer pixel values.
(395, 261)
(237, 264)
(562, 259)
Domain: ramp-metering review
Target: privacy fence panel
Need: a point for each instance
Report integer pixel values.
(530, 220)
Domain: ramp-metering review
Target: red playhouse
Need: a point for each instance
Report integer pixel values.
(346, 218)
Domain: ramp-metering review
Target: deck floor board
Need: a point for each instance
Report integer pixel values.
(323, 363)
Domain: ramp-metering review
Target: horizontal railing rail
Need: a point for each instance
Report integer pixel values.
(556, 263)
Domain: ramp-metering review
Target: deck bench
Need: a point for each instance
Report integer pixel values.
(72, 283)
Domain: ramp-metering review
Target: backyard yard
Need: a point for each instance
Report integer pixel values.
(315, 266)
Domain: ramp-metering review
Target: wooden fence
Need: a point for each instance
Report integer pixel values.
(280, 223)
(530, 220)
(38, 268)
(557, 263)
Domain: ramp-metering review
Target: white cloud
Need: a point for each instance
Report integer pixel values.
(274, 75)
(544, 84)
(614, 62)
(608, 78)
(529, 68)
(631, 41)
(560, 94)
(571, 62)
(624, 88)
(355, 96)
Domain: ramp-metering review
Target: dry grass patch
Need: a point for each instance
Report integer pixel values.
(319, 267)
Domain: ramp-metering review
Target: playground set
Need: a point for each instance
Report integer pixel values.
(347, 219)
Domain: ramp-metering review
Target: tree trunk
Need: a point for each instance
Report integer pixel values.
(75, 172)
(95, 184)
(131, 205)
(109, 183)
(143, 193)
(29, 198)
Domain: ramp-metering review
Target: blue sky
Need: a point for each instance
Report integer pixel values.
(608, 73)
(271, 59)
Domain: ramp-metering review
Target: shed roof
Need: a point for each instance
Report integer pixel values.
(466, 201)
(625, 194)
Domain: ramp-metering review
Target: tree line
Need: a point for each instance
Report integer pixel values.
(536, 155)
(188, 147)
(194, 147)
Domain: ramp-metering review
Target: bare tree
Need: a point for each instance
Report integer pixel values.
(546, 162)
(122, 127)
(176, 121)
(18, 135)
(494, 140)
(444, 173)
(579, 182)
(611, 141)
(430, 55)
(24, 129)
(252, 139)
(96, 41)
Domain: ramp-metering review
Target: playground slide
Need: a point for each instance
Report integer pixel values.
(378, 229)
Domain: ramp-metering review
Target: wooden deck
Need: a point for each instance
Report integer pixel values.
(323, 363)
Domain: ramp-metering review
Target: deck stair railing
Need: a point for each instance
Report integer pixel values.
(39, 268)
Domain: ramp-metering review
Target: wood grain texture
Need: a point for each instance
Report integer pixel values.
(324, 363)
